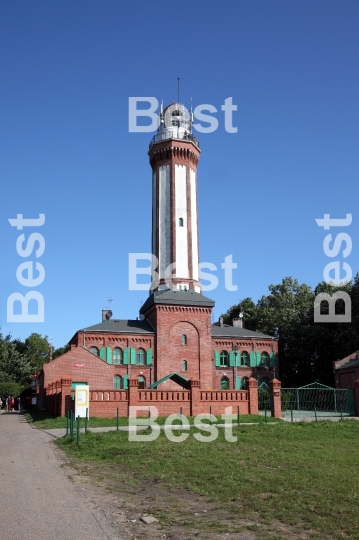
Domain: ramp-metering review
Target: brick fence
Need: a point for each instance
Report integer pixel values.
(104, 403)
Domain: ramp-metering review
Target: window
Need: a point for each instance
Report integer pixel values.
(245, 358)
(184, 339)
(223, 358)
(117, 382)
(245, 383)
(141, 382)
(184, 365)
(224, 383)
(117, 356)
(140, 357)
(94, 350)
(180, 222)
(265, 359)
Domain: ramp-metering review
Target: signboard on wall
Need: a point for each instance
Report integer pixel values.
(82, 401)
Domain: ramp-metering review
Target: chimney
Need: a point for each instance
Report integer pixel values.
(106, 315)
(237, 322)
(221, 321)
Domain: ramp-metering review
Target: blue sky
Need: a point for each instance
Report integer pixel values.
(68, 69)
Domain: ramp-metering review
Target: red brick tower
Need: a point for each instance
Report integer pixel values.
(174, 154)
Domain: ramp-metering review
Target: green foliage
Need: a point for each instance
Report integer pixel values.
(306, 349)
(9, 389)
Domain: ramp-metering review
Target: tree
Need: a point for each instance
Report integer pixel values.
(37, 349)
(306, 349)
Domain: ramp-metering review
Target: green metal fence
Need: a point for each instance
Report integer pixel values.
(318, 399)
(264, 397)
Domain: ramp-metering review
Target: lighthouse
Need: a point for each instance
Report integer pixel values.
(174, 154)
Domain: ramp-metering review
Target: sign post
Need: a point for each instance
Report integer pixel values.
(82, 401)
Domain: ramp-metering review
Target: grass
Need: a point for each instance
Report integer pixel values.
(43, 420)
(305, 475)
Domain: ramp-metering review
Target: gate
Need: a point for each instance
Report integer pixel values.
(317, 399)
(264, 397)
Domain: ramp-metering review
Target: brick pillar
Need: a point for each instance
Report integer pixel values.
(356, 393)
(65, 396)
(276, 403)
(195, 396)
(133, 397)
(252, 396)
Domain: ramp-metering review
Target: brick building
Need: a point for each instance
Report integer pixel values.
(173, 342)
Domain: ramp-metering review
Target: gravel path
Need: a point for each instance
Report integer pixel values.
(38, 501)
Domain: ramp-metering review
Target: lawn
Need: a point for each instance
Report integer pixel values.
(43, 420)
(306, 475)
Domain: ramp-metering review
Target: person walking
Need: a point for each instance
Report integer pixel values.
(7, 402)
(19, 404)
(0, 403)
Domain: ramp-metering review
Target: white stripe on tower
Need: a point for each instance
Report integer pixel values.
(164, 253)
(154, 214)
(195, 258)
(181, 231)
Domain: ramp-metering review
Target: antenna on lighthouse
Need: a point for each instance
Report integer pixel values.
(178, 84)
(109, 301)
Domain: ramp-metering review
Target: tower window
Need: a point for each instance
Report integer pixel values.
(265, 359)
(244, 359)
(184, 339)
(184, 365)
(140, 357)
(94, 350)
(180, 222)
(224, 383)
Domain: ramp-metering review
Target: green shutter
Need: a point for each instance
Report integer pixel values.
(216, 358)
(258, 354)
(132, 355)
(252, 359)
(238, 382)
(103, 353)
(125, 356)
(231, 359)
(272, 359)
(238, 359)
(125, 382)
(109, 355)
(149, 357)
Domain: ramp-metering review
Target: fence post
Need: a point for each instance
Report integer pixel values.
(78, 430)
(210, 413)
(276, 404)
(315, 413)
(252, 396)
(117, 419)
(291, 412)
(265, 413)
(86, 421)
(238, 415)
(67, 424)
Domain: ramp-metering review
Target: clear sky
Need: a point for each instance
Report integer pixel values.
(67, 72)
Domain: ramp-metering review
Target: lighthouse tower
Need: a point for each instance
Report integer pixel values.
(174, 155)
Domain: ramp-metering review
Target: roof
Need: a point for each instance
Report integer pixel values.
(177, 298)
(236, 331)
(175, 377)
(354, 362)
(119, 326)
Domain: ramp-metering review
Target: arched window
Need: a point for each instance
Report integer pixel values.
(117, 382)
(117, 355)
(265, 359)
(223, 358)
(224, 383)
(184, 339)
(245, 358)
(245, 383)
(184, 365)
(94, 350)
(141, 382)
(140, 357)
(180, 222)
